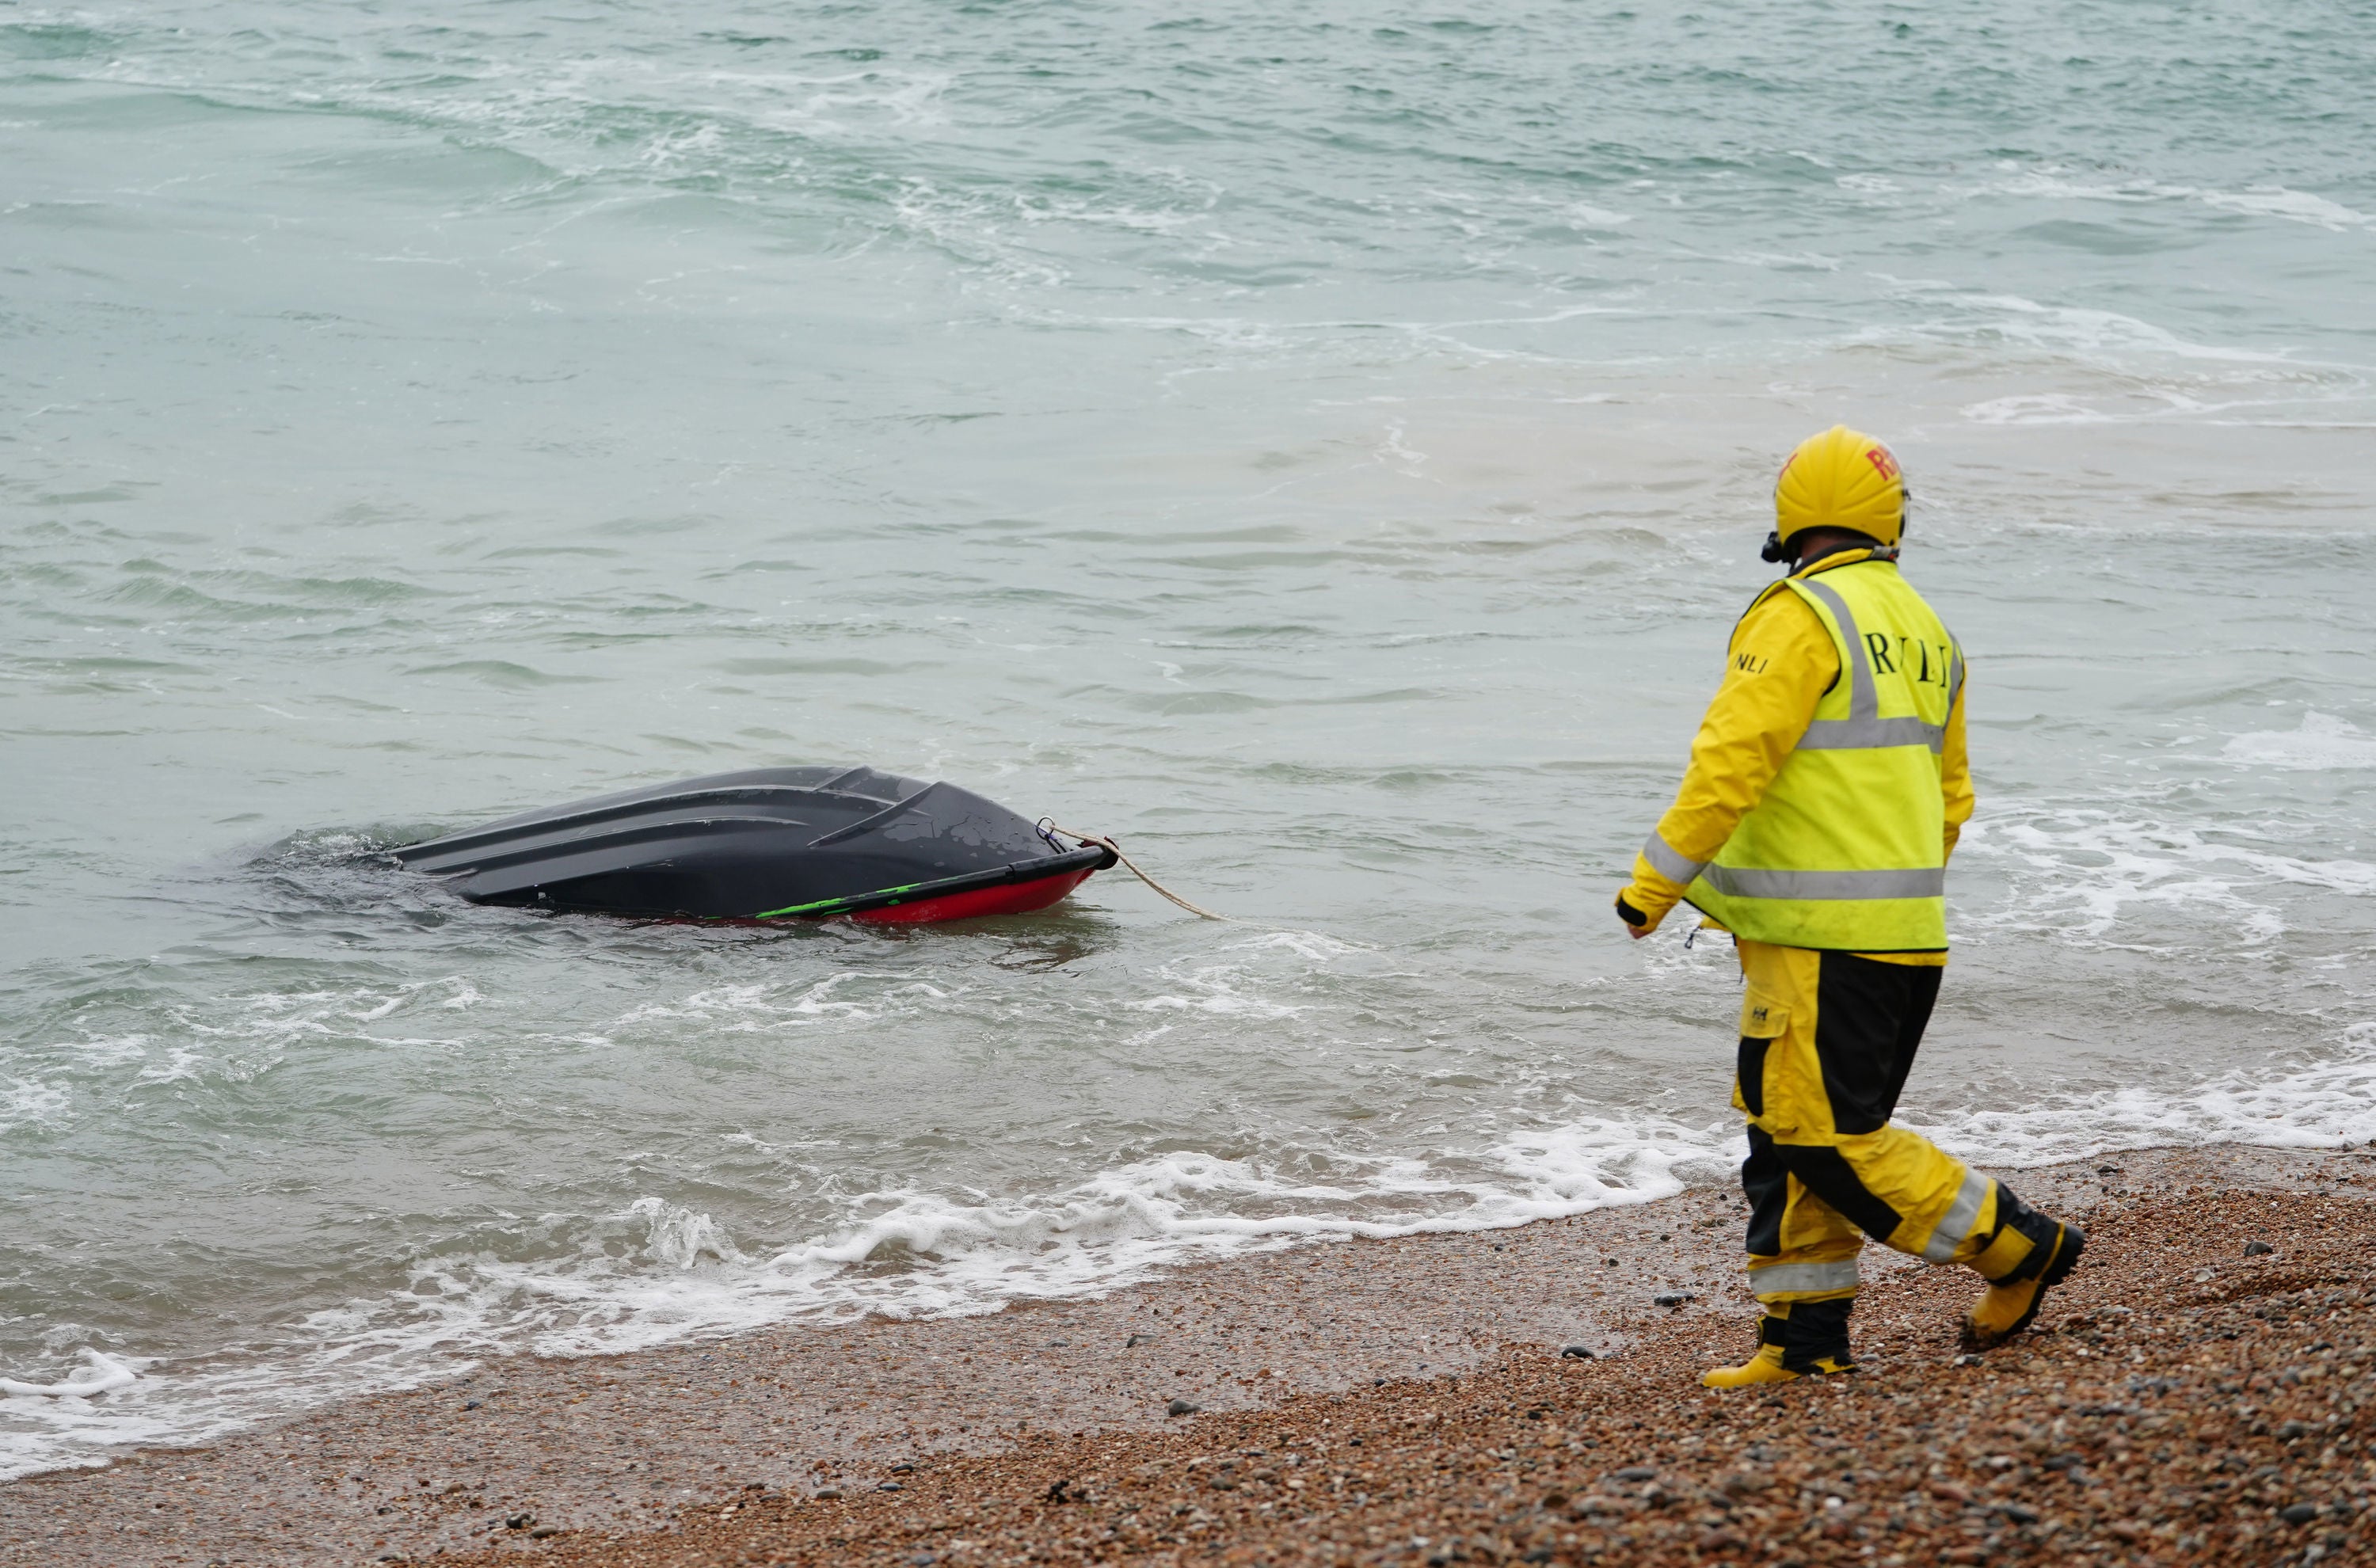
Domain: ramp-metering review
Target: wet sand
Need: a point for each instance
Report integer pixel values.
(1442, 1354)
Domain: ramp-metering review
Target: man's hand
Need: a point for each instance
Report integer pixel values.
(1637, 924)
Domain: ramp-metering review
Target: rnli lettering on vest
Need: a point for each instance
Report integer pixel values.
(1914, 658)
(1918, 657)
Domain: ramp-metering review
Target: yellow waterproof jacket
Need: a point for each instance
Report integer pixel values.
(1780, 662)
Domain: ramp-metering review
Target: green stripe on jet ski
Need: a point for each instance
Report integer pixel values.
(826, 906)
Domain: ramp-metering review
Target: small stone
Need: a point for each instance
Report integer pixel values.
(903, 1470)
(887, 1486)
(1634, 1473)
(2257, 1249)
(469, 1403)
(517, 1521)
(1574, 1353)
(828, 1494)
(2299, 1513)
(543, 1532)
(1180, 1408)
(1135, 1340)
(1672, 1298)
(2017, 1513)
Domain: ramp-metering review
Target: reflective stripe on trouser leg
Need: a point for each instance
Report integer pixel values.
(1957, 1236)
(1805, 1281)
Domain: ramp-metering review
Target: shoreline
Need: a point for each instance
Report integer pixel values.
(616, 1448)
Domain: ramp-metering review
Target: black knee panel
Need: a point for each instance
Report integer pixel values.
(1767, 1186)
(1815, 1330)
(1826, 1172)
(2013, 1214)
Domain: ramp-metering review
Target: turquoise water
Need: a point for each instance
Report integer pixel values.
(1326, 452)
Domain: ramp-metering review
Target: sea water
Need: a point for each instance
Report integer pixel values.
(1326, 445)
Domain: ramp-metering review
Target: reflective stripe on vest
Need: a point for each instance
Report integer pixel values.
(1864, 727)
(1847, 851)
(1747, 882)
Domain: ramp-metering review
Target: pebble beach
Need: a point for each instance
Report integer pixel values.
(2194, 1394)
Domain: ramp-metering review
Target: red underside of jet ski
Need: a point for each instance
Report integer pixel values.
(1017, 899)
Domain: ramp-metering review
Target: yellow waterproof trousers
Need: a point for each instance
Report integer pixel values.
(1826, 1041)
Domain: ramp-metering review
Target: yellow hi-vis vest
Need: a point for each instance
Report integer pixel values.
(1847, 848)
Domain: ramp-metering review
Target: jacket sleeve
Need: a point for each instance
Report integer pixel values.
(1954, 766)
(1778, 666)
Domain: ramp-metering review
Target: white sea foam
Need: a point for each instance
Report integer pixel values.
(29, 1102)
(2307, 1105)
(2039, 408)
(2089, 869)
(104, 1375)
(2256, 201)
(2076, 330)
(2301, 206)
(1318, 947)
(954, 1256)
(2322, 741)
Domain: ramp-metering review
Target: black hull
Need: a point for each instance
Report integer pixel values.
(768, 843)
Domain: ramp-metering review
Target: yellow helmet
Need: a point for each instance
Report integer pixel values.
(1842, 479)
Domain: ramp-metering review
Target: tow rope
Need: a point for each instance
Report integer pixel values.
(1102, 842)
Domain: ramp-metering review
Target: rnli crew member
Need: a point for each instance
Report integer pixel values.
(1826, 790)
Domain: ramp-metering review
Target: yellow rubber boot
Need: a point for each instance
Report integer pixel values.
(1763, 1367)
(1794, 1340)
(2029, 1255)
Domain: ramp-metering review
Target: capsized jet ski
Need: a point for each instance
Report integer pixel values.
(770, 843)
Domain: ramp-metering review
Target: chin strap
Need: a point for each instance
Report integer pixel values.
(1048, 824)
(1779, 552)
